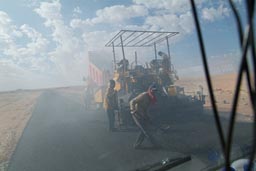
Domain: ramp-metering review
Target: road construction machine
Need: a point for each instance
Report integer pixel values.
(135, 77)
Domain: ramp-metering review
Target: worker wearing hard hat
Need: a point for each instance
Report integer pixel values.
(139, 106)
(166, 61)
(111, 104)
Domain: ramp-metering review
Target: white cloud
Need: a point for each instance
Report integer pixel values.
(51, 12)
(77, 10)
(31, 3)
(10, 34)
(79, 23)
(8, 31)
(37, 45)
(5, 20)
(69, 54)
(114, 14)
(136, 27)
(96, 39)
(186, 22)
(211, 14)
(182, 23)
(173, 6)
(167, 20)
(118, 13)
(61, 33)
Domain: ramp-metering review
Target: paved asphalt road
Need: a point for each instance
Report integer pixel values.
(62, 136)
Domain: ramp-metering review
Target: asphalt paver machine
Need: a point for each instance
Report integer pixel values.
(134, 77)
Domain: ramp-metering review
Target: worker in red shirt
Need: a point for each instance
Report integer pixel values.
(139, 107)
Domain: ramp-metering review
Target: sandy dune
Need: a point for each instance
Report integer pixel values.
(224, 89)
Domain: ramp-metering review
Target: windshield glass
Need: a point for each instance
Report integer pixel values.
(121, 85)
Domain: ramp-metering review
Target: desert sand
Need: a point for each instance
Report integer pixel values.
(224, 90)
(15, 110)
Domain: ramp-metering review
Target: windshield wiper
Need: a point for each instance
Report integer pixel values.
(165, 164)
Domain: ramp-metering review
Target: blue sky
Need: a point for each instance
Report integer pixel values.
(46, 43)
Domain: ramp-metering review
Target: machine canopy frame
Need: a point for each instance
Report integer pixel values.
(136, 38)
